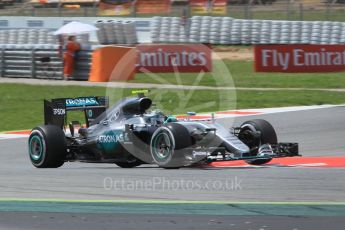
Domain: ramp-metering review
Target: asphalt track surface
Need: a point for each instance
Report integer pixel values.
(320, 132)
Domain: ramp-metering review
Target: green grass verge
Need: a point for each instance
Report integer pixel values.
(21, 106)
(243, 76)
(268, 99)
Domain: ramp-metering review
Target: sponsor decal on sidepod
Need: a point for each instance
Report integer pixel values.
(112, 138)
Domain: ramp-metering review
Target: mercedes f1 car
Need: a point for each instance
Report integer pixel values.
(129, 134)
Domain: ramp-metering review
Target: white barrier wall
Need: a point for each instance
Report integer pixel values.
(204, 29)
(226, 30)
(116, 32)
(142, 25)
(169, 29)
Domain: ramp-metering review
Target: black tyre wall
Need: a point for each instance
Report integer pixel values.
(268, 136)
(54, 146)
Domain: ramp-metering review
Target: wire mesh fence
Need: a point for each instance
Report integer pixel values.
(303, 10)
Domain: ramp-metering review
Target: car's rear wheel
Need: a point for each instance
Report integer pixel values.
(168, 145)
(47, 147)
(248, 136)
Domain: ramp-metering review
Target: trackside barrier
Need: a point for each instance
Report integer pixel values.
(116, 32)
(41, 64)
(230, 31)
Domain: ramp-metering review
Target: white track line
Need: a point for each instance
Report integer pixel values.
(12, 136)
(255, 112)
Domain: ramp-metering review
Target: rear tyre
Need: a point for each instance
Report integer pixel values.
(47, 147)
(267, 136)
(168, 145)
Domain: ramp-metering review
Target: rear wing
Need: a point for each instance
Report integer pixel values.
(55, 111)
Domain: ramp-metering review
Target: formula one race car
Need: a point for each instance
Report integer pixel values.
(128, 134)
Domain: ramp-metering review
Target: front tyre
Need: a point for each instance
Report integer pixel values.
(247, 135)
(47, 147)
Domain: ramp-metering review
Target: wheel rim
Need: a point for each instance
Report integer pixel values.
(247, 137)
(162, 146)
(36, 148)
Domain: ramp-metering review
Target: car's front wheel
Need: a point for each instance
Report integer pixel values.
(47, 147)
(248, 135)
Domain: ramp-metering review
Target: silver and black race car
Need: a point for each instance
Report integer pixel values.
(128, 134)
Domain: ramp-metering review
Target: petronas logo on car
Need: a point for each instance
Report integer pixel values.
(112, 138)
(81, 102)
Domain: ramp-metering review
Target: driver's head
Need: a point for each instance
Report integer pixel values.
(157, 117)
